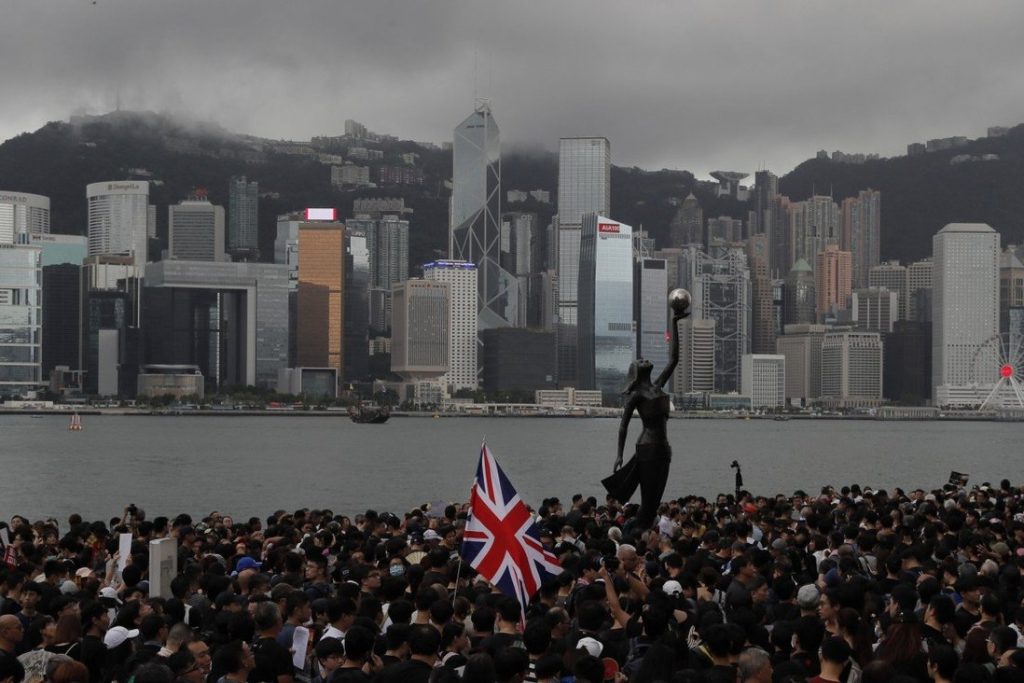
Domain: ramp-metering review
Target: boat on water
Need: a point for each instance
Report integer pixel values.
(76, 423)
(369, 414)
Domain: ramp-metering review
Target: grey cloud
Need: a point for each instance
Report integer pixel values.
(672, 84)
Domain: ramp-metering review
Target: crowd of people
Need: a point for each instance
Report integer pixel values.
(843, 586)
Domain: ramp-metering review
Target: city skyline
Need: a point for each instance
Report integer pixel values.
(651, 100)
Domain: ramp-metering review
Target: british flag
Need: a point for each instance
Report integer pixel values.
(501, 541)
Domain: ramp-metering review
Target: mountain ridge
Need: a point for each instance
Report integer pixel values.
(920, 193)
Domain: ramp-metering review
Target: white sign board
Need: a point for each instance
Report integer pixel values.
(163, 566)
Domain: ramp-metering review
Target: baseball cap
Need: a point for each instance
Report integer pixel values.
(117, 635)
(246, 563)
(431, 535)
(110, 593)
(808, 596)
(672, 588)
(593, 646)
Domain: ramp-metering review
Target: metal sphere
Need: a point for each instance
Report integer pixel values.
(679, 300)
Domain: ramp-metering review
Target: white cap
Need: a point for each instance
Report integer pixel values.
(117, 635)
(672, 588)
(593, 646)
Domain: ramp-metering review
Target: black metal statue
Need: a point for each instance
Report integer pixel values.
(648, 468)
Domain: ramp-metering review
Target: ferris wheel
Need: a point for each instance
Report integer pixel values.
(997, 367)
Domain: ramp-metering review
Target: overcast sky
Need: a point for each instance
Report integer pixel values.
(674, 84)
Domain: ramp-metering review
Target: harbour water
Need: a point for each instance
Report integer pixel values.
(254, 465)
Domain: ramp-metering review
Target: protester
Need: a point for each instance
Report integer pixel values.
(851, 586)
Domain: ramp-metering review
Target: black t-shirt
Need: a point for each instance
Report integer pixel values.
(410, 671)
(497, 642)
(351, 675)
(93, 653)
(272, 660)
(19, 670)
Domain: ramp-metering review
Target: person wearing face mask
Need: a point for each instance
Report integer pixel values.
(397, 567)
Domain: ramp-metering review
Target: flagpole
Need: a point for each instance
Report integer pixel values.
(458, 570)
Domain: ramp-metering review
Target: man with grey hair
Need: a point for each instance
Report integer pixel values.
(807, 598)
(754, 666)
(628, 558)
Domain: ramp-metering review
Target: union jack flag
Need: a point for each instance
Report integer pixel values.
(501, 541)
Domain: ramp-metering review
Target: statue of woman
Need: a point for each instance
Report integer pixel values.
(648, 468)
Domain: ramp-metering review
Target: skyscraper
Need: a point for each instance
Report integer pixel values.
(420, 329)
(687, 225)
(21, 301)
(814, 225)
(321, 296)
(801, 302)
(893, 277)
(720, 287)
(851, 369)
(764, 379)
(1011, 287)
(766, 189)
(357, 307)
(243, 214)
(724, 230)
(762, 309)
(832, 278)
(801, 345)
(520, 254)
(696, 370)
(22, 213)
(118, 218)
(584, 186)
(965, 311)
(387, 244)
(875, 309)
(196, 229)
(475, 213)
(919, 277)
(862, 233)
(606, 334)
(652, 312)
(62, 257)
(463, 346)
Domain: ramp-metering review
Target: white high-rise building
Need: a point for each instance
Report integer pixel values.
(764, 379)
(584, 178)
(696, 369)
(118, 218)
(22, 213)
(584, 186)
(196, 230)
(461, 277)
(965, 311)
(851, 369)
